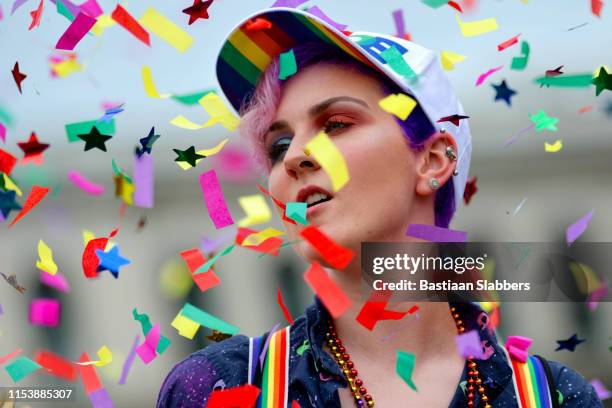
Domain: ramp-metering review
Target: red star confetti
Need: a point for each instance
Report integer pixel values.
(32, 150)
(198, 10)
(36, 15)
(470, 190)
(18, 76)
(454, 119)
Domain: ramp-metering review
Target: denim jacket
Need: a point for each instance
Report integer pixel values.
(314, 376)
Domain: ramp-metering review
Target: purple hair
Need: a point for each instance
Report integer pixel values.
(259, 111)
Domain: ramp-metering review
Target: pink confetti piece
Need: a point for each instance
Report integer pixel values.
(576, 229)
(129, 360)
(600, 389)
(84, 184)
(36, 195)
(435, 234)
(214, 200)
(45, 312)
(316, 11)
(146, 351)
(57, 281)
(469, 345)
(595, 296)
(484, 76)
(10, 355)
(91, 8)
(143, 180)
(2, 128)
(75, 32)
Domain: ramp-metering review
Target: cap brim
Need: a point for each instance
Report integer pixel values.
(247, 52)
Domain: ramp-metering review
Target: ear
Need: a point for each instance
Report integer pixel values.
(432, 162)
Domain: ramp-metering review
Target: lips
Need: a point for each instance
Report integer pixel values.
(310, 190)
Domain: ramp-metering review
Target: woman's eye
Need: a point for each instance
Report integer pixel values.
(333, 124)
(278, 149)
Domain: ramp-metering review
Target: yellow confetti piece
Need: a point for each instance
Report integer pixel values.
(185, 326)
(401, 105)
(149, 85)
(586, 279)
(65, 68)
(46, 262)
(204, 152)
(474, 28)
(87, 236)
(330, 159)
(256, 209)
(10, 185)
(215, 107)
(553, 148)
(257, 238)
(449, 59)
(105, 356)
(127, 191)
(165, 29)
(102, 23)
(184, 123)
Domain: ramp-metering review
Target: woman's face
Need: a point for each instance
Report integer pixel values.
(376, 203)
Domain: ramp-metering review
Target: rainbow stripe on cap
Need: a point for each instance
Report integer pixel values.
(247, 53)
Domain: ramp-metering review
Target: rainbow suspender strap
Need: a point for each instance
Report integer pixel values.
(531, 384)
(274, 380)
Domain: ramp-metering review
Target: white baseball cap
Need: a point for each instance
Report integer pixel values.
(248, 51)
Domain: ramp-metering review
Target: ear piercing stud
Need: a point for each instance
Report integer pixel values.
(434, 183)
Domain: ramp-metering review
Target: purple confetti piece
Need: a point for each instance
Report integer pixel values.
(469, 345)
(316, 11)
(596, 295)
(516, 137)
(129, 361)
(100, 399)
(435, 234)
(143, 180)
(288, 3)
(576, 229)
(73, 8)
(398, 17)
(600, 389)
(262, 356)
(1, 310)
(17, 4)
(212, 245)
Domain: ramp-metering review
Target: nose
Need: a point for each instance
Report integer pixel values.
(298, 161)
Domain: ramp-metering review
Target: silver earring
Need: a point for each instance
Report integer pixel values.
(442, 130)
(455, 172)
(434, 183)
(450, 153)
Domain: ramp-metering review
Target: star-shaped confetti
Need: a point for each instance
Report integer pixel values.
(470, 189)
(503, 92)
(198, 10)
(94, 139)
(454, 119)
(110, 113)
(543, 121)
(549, 73)
(12, 280)
(36, 15)
(147, 142)
(188, 156)
(602, 81)
(32, 149)
(569, 344)
(111, 260)
(18, 76)
(8, 203)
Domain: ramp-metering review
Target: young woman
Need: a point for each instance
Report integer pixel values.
(401, 172)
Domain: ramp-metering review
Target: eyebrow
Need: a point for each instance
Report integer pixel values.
(317, 109)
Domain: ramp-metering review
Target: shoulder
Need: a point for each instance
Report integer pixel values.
(575, 390)
(217, 366)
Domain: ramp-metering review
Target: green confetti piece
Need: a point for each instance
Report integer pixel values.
(288, 66)
(5, 116)
(405, 367)
(212, 260)
(544, 122)
(120, 172)
(567, 81)
(302, 349)
(81, 128)
(21, 368)
(193, 98)
(396, 61)
(63, 10)
(207, 320)
(297, 212)
(519, 63)
(145, 322)
(163, 344)
(435, 3)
